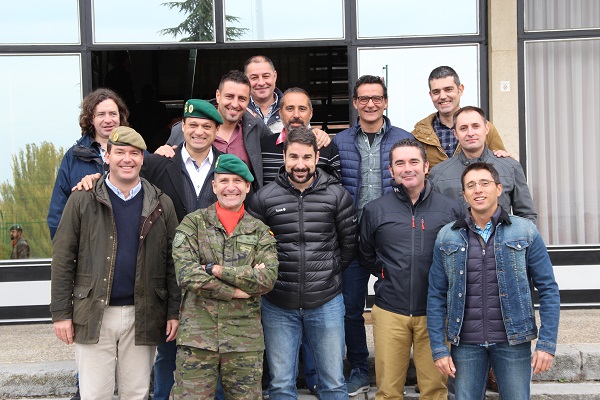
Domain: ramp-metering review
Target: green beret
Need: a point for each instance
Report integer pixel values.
(231, 164)
(201, 109)
(126, 136)
(16, 227)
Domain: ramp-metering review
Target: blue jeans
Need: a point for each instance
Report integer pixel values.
(511, 364)
(356, 279)
(324, 330)
(164, 367)
(308, 361)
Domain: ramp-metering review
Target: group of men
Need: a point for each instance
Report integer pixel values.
(270, 255)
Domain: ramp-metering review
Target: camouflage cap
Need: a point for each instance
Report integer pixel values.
(16, 227)
(126, 136)
(231, 164)
(197, 108)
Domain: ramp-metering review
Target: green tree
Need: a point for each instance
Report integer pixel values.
(26, 200)
(199, 22)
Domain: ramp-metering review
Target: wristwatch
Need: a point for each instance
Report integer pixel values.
(208, 268)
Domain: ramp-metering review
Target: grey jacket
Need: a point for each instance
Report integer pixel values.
(515, 196)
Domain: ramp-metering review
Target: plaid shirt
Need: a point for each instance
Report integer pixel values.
(447, 140)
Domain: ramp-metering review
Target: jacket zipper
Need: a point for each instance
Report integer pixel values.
(302, 255)
(483, 290)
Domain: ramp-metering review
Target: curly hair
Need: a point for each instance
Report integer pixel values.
(89, 103)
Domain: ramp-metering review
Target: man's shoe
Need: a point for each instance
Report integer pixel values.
(265, 394)
(313, 390)
(357, 382)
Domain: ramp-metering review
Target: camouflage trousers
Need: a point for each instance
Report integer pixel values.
(198, 370)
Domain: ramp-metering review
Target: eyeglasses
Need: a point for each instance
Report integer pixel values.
(365, 99)
(483, 183)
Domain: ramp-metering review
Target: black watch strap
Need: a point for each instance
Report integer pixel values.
(209, 268)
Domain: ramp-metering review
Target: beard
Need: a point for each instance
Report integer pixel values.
(12, 237)
(298, 121)
(309, 175)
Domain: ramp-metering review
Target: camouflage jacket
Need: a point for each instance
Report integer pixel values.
(210, 318)
(20, 249)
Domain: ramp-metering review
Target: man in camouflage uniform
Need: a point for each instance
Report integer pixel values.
(20, 246)
(225, 260)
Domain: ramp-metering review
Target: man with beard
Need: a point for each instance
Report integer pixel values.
(397, 233)
(20, 246)
(296, 111)
(314, 223)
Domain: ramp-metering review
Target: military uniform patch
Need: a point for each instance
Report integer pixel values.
(178, 240)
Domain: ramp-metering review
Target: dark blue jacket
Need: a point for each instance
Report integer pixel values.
(347, 144)
(80, 160)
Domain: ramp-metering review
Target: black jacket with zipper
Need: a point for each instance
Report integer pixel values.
(316, 237)
(396, 244)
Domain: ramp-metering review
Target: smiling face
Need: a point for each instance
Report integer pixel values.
(370, 113)
(482, 200)
(199, 134)
(233, 99)
(263, 79)
(231, 190)
(445, 95)
(105, 119)
(300, 164)
(295, 111)
(124, 164)
(408, 169)
(471, 131)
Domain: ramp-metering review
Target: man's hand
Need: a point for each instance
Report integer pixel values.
(445, 366)
(87, 183)
(166, 151)
(502, 153)
(259, 266)
(541, 361)
(172, 326)
(240, 294)
(323, 138)
(64, 330)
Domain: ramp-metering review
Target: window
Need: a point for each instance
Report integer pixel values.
(257, 20)
(562, 101)
(406, 70)
(39, 109)
(395, 18)
(561, 14)
(153, 21)
(40, 22)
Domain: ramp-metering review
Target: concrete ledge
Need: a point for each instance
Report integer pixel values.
(37, 379)
(565, 368)
(590, 361)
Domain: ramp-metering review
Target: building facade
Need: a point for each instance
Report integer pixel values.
(533, 65)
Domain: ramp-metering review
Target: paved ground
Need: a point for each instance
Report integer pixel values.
(43, 364)
(37, 343)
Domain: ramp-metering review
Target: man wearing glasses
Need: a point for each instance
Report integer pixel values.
(364, 156)
(480, 299)
(471, 129)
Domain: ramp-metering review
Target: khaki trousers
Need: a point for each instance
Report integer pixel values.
(394, 334)
(115, 352)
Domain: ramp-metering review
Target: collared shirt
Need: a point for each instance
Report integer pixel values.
(447, 139)
(272, 108)
(371, 186)
(197, 173)
(235, 145)
(135, 190)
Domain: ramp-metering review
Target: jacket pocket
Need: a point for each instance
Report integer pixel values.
(81, 304)
(160, 311)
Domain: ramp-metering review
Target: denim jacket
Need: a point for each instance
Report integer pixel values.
(521, 256)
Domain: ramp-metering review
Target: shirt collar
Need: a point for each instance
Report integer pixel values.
(272, 108)
(135, 190)
(186, 157)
